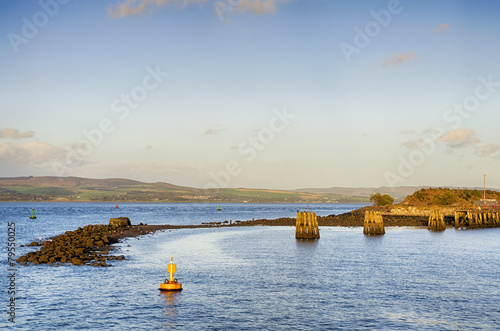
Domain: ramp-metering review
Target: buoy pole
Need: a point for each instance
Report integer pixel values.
(171, 269)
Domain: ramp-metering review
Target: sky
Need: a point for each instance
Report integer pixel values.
(276, 94)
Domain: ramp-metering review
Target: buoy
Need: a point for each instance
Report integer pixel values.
(171, 284)
(33, 214)
(218, 208)
(116, 206)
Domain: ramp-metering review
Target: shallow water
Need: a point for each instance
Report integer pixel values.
(260, 277)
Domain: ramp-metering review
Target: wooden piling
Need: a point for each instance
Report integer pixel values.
(436, 221)
(373, 225)
(476, 219)
(306, 226)
(461, 220)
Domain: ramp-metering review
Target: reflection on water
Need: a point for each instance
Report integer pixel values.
(170, 303)
(306, 243)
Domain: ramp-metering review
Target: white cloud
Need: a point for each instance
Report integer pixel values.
(141, 7)
(413, 144)
(459, 138)
(442, 28)
(487, 150)
(258, 6)
(15, 134)
(32, 152)
(214, 131)
(399, 58)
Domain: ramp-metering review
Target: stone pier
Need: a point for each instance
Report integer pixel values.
(306, 226)
(374, 225)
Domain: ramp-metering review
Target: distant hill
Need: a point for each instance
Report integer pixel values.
(50, 188)
(47, 188)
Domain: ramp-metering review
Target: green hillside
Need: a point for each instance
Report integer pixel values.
(124, 190)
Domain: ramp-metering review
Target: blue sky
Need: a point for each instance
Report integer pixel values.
(261, 94)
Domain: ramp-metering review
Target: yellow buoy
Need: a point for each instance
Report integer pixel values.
(171, 284)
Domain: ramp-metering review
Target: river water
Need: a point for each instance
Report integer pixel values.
(253, 278)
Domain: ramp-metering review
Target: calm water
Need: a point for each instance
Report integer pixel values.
(256, 277)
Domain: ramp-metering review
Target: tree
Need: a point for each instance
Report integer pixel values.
(381, 200)
(444, 199)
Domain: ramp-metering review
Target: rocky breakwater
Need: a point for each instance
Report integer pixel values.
(88, 245)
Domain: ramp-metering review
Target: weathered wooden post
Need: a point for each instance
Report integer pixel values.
(460, 218)
(436, 221)
(306, 226)
(373, 225)
(479, 219)
(474, 219)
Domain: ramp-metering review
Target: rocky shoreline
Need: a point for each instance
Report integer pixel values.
(91, 244)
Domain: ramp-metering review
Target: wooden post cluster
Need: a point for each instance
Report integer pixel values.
(483, 219)
(436, 221)
(476, 219)
(374, 225)
(306, 226)
(461, 220)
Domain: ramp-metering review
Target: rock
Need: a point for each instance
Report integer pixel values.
(119, 222)
(43, 259)
(77, 261)
(77, 246)
(21, 259)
